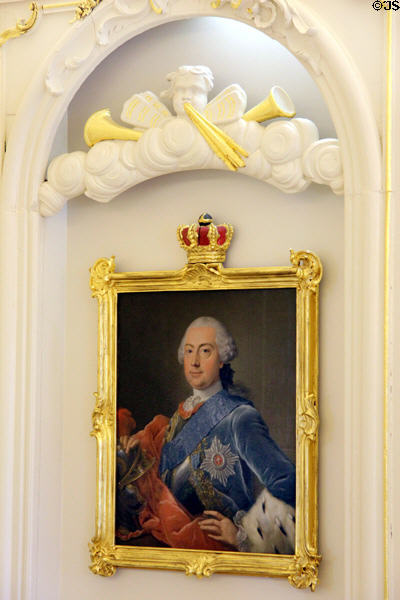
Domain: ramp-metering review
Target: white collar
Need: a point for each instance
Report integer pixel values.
(208, 392)
(202, 395)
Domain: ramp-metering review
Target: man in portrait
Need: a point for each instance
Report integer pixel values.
(211, 476)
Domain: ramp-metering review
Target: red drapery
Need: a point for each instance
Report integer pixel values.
(163, 516)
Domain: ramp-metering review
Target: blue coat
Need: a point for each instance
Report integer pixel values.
(210, 460)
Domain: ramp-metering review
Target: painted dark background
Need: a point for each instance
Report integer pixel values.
(263, 322)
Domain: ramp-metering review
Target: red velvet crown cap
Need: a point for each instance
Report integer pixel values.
(203, 235)
(205, 242)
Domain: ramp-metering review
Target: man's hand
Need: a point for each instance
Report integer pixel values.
(219, 528)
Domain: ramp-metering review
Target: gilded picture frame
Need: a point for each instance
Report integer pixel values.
(303, 276)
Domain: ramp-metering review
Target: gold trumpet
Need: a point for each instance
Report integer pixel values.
(277, 104)
(100, 126)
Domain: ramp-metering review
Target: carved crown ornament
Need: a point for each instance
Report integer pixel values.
(216, 134)
(206, 246)
(205, 242)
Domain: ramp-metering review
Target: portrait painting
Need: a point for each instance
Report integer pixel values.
(233, 349)
(207, 417)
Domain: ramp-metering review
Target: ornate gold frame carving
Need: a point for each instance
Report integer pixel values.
(304, 275)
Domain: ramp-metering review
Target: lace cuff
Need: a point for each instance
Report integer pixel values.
(242, 542)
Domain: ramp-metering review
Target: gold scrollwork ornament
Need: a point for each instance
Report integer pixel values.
(306, 573)
(203, 275)
(203, 567)
(22, 26)
(308, 420)
(158, 7)
(234, 3)
(102, 415)
(101, 556)
(84, 8)
(100, 275)
(309, 269)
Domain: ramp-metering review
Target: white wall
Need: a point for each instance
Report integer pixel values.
(48, 458)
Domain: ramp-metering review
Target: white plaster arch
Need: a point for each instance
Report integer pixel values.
(87, 43)
(68, 64)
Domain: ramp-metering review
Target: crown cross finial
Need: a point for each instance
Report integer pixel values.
(205, 242)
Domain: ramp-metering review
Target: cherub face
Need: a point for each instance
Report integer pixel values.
(189, 88)
(201, 361)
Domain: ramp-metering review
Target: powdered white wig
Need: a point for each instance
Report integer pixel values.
(200, 70)
(225, 343)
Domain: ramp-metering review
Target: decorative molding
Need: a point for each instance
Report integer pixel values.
(101, 555)
(216, 134)
(21, 27)
(200, 275)
(308, 419)
(322, 163)
(120, 18)
(309, 269)
(100, 281)
(284, 154)
(23, 242)
(125, 11)
(306, 575)
(82, 8)
(282, 20)
(103, 415)
(202, 567)
(63, 63)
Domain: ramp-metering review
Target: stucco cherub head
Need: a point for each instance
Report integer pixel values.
(189, 84)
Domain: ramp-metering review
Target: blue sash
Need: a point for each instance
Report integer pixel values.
(198, 426)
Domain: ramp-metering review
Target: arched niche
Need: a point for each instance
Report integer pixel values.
(87, 43)
(23, 242)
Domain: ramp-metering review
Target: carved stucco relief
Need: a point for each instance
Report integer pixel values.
(219, 134)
